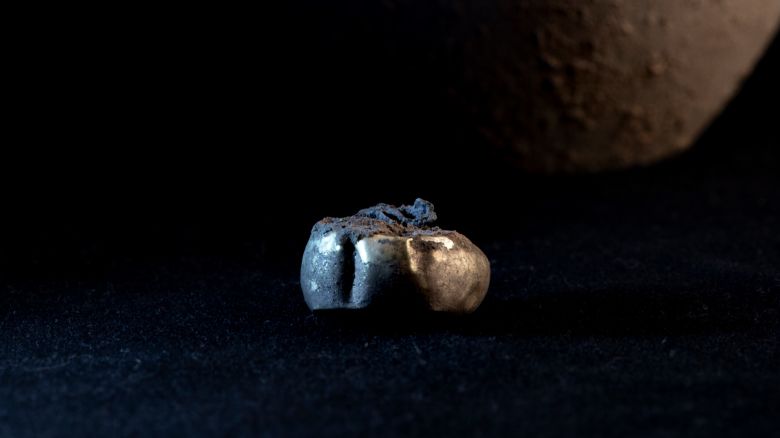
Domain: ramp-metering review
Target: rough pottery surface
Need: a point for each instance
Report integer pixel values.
(387, 256)
(562, 86)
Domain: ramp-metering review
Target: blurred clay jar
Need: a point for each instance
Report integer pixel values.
(572, 86)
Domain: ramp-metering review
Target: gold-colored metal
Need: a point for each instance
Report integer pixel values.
(366, 262)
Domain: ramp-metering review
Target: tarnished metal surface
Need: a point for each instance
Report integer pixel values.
(392, 257)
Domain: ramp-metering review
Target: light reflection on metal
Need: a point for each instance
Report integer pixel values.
(388, 257)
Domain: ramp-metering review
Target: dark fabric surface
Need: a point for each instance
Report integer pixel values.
(644, 302)
(649, 307)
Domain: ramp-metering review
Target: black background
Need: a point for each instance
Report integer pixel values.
(157, 202)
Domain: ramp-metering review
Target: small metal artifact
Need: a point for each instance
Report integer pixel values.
(387, 257)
